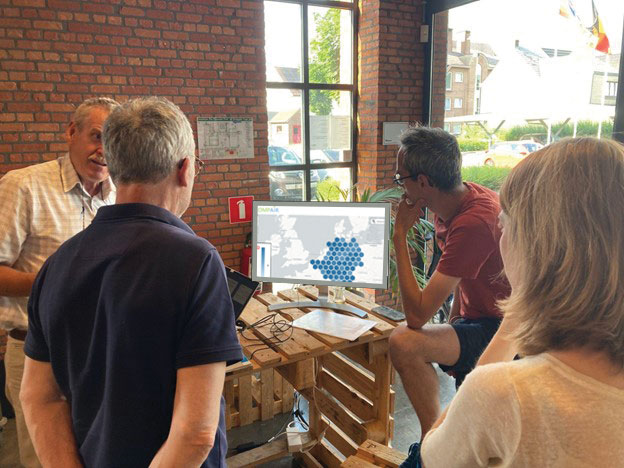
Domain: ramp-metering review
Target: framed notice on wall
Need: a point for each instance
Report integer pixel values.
(225, 138)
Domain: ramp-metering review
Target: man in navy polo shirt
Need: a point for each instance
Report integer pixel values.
(130, 322)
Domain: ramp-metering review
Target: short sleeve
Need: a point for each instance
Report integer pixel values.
(469, 243)
(36, 346)
(14, 218)
(482, 426)
(208, 333)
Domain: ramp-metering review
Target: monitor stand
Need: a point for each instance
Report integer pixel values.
(322, 302)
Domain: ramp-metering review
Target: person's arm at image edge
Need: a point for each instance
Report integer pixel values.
(48, 416)
(15, 283)
(195, 419)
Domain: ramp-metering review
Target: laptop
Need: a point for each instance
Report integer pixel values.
(241, 288)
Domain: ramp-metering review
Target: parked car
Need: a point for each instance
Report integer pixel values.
(509, 153)
(288, 185)
(280, 156)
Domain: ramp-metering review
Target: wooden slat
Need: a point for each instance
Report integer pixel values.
(277, 389)
(382, 327)
(355, 462)
(291, 295)
(263, 454)
(266, 404)
(288, 396)
(337, 414)
(244, 400)
(368, 306)
(262, 356)
(299, 374)
(346, 395)
(302, 337)
(327, 456)
(255, 414)
(380, 454)
(350, 374)
(340, 440)
(310, 461)
(255, 311)
(228, 394)
(360, 354)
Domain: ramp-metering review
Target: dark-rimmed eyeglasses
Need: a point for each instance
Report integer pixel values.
(399, 180)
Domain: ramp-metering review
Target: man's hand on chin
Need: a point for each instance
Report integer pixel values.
(407, 214)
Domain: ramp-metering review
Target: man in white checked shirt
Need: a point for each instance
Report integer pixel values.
(41, 207)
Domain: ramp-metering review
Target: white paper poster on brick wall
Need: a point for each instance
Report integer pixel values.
(225, 138)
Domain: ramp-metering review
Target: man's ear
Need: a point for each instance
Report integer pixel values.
(425, 181)
(184, 172)
(70, 132)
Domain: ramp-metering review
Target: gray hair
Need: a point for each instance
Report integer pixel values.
(83, 110)
(144, 139)
(434, 153)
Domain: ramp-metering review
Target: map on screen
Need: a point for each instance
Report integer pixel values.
(321, 243)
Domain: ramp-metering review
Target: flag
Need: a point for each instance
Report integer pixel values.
(595, 34)
(597, 30)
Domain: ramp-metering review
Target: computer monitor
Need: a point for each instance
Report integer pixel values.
(323, 244)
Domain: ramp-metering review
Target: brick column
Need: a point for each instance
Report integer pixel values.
(390, 85)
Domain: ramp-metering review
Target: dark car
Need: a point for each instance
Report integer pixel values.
(288, 185)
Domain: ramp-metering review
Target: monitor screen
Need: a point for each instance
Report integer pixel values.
(339, 244)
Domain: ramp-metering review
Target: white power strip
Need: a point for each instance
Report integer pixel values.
(297, 440)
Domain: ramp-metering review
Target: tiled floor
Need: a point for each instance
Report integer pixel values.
(406, 427)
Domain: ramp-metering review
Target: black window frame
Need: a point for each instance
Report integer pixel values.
(305, 87)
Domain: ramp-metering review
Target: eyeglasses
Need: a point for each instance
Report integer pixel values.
(399, 180)
(199, 166)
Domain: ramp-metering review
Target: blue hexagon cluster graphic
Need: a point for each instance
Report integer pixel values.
(340, 261)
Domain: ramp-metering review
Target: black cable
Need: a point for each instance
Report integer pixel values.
(278, 327)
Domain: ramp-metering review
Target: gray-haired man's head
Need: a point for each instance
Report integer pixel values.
(145, 139)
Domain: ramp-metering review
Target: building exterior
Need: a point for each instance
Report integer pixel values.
(467, 69)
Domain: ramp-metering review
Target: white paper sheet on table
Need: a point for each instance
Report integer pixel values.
(331, 323)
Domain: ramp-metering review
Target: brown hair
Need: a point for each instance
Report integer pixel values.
(565, 221)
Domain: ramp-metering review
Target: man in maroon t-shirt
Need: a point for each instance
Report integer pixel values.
(466, 223)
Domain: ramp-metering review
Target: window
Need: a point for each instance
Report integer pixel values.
(457, 129)
(459, 77)
(310, 92)
(449, 79)
(447, 104)
(612, 89)
(447, 127)
(458, 103)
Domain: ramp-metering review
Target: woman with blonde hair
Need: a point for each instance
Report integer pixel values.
(562, 405)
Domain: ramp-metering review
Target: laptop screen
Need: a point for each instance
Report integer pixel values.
(241, 289)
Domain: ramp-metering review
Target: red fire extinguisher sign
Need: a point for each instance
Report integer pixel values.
(240, 209)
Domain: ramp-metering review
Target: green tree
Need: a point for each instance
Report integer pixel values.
(325, 60)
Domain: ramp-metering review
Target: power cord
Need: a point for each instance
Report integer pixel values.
(281, 329)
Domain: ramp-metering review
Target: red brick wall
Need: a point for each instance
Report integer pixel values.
(205, 55)
(391, 68)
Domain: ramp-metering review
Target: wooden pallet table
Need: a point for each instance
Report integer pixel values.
(347, 383)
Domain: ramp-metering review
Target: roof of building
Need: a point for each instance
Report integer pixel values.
(284, 116)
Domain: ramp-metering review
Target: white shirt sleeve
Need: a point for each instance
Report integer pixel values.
(15, 212)
(482, 426)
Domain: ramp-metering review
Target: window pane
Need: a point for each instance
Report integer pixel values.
(334, 184)
(330, 35)
(330, 126)
(285, 130)
(289, 185)
(282, 26)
